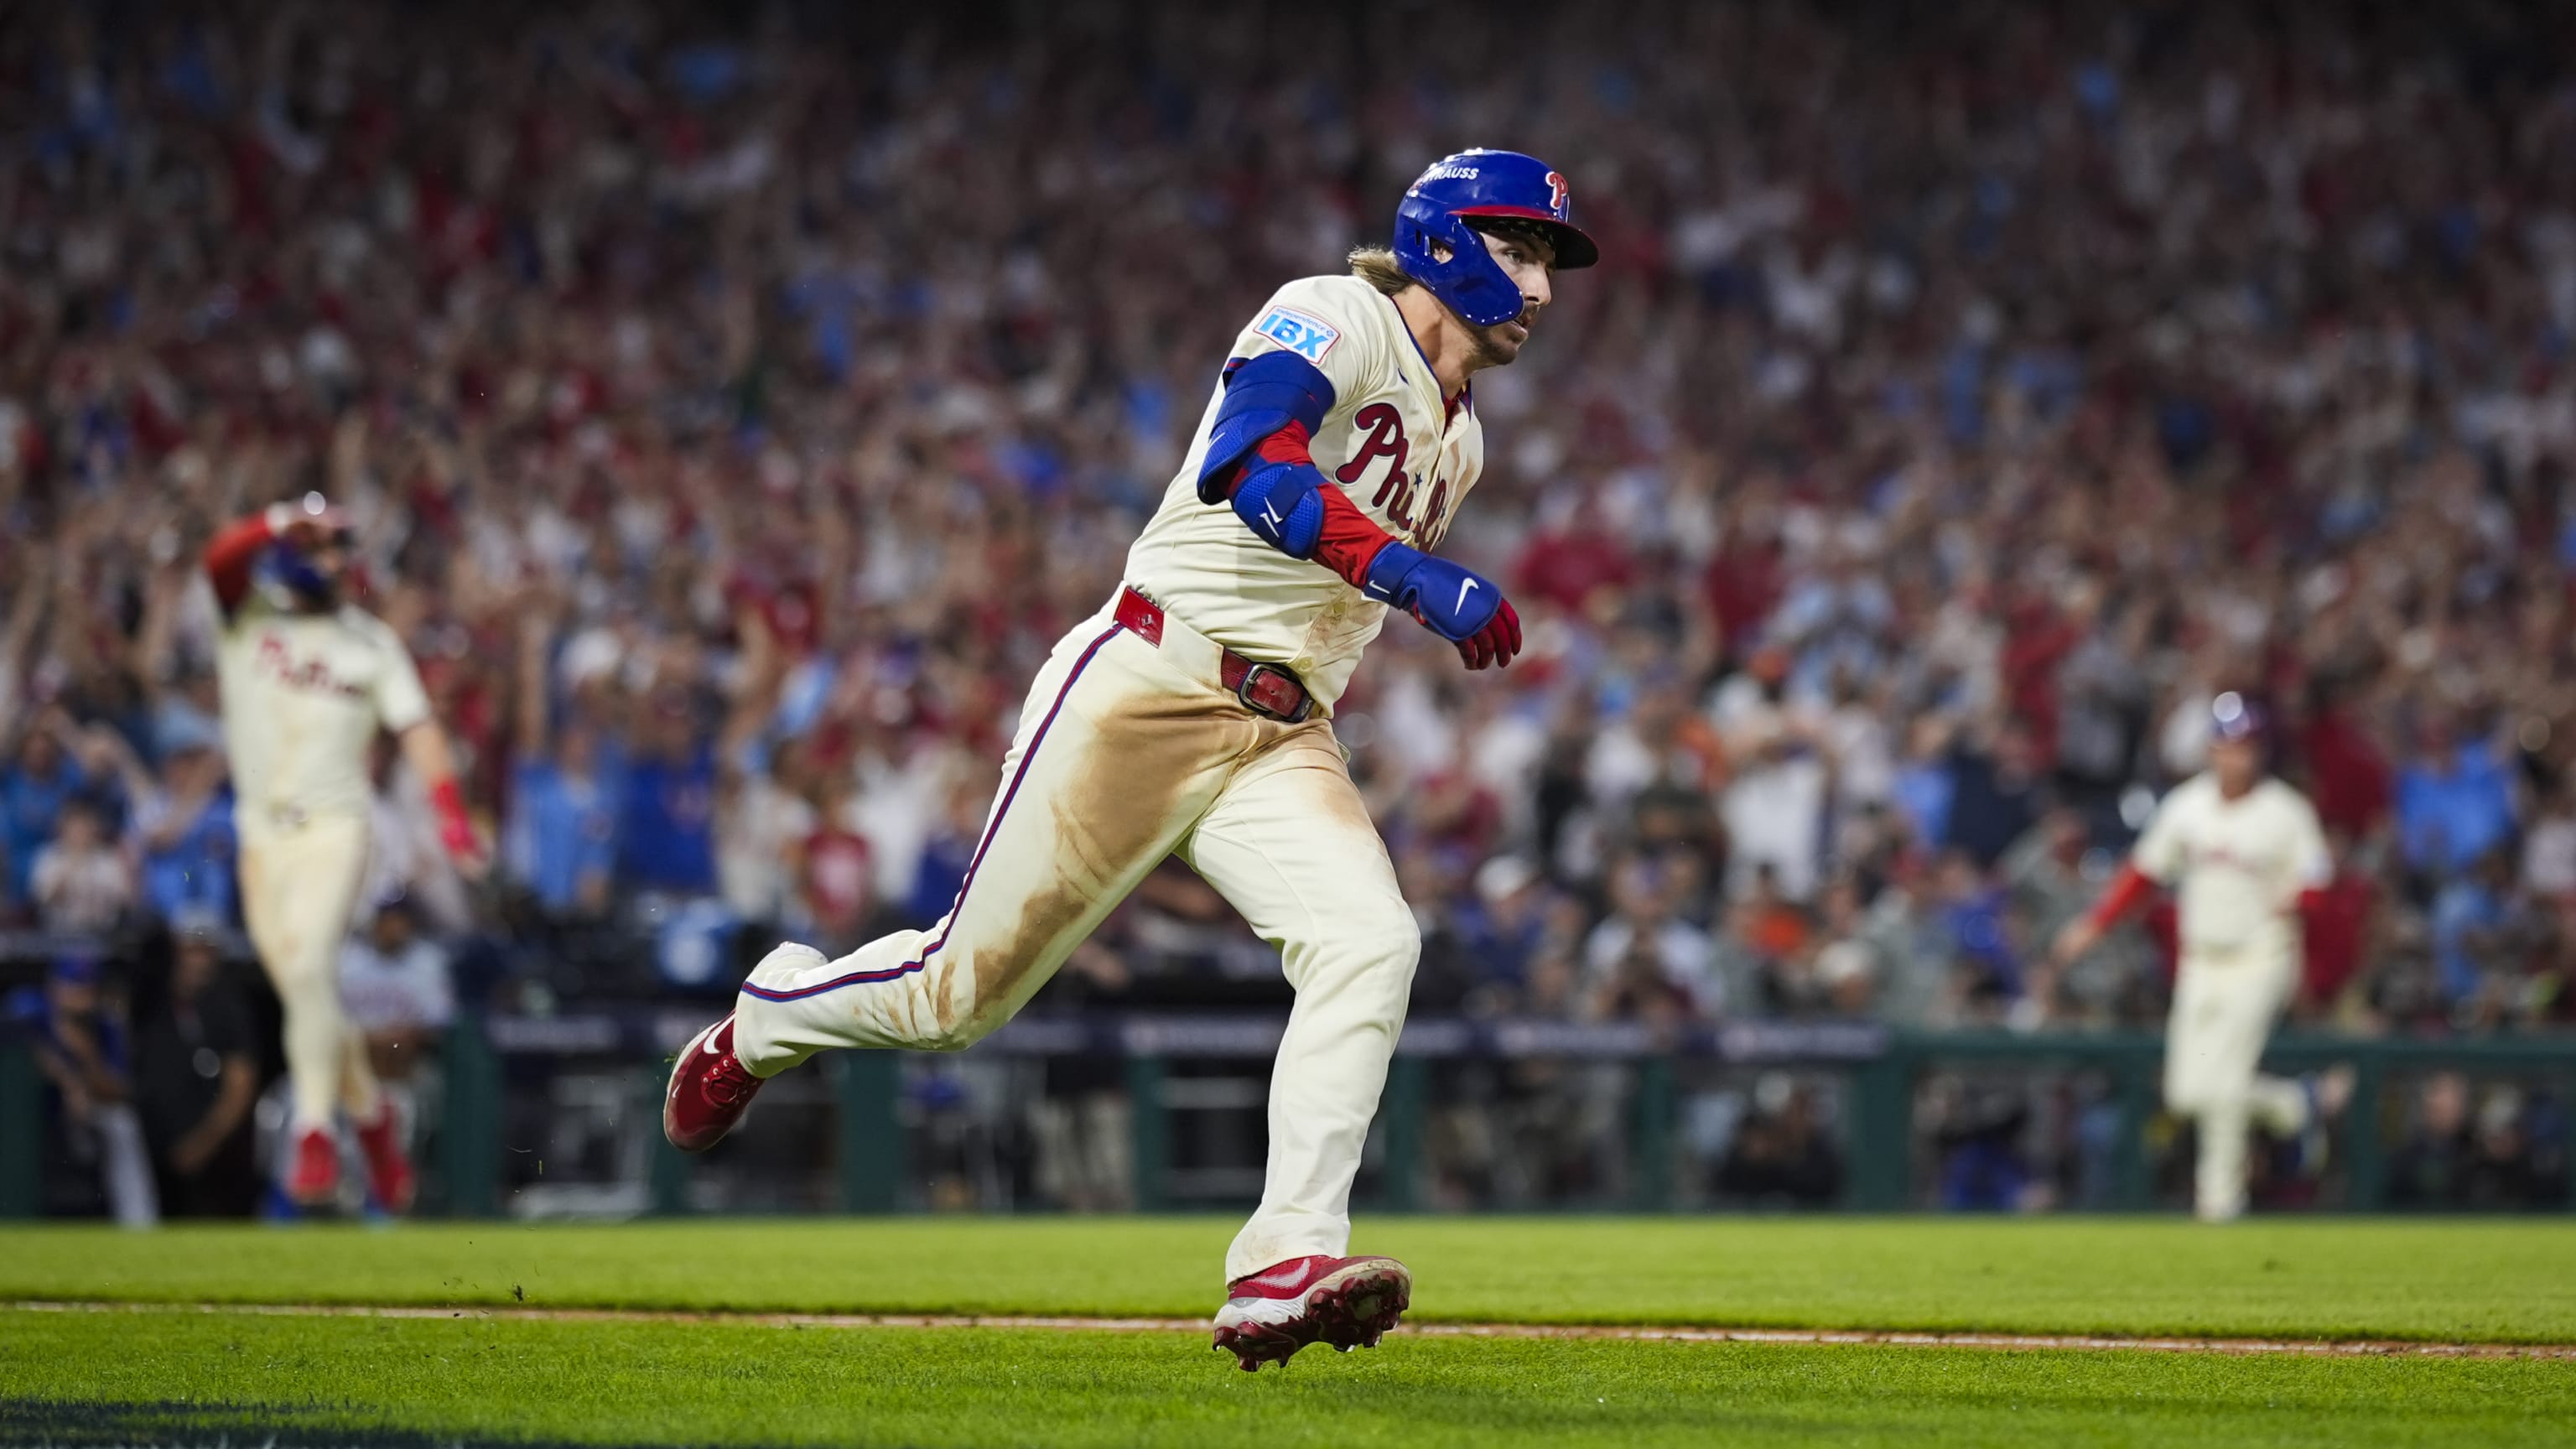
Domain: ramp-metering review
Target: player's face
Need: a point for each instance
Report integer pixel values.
(331, 560)
(1529, 262)
(2239, 763)
(327, 558)
(195, 968)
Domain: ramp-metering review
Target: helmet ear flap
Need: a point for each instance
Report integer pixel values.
(289, 579)
(1469, 281)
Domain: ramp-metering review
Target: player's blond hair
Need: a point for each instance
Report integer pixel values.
(1377, 267)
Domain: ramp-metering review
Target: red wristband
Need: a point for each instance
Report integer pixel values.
(455, 831)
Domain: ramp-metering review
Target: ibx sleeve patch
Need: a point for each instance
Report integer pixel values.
(1297, 331)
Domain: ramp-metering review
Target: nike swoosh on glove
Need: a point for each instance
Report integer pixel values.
(1450, 600)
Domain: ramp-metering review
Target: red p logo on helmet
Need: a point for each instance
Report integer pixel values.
(1556, 192)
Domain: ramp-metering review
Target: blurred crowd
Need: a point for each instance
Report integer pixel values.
(736, 406)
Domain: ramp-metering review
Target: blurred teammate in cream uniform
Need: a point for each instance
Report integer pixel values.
(307, 680)
(2240, 848)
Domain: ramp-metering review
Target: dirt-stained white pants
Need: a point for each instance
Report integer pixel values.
(1129, 751)
(2223, 1007)
(299, 886)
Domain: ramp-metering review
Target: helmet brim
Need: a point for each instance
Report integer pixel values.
(1574, 249)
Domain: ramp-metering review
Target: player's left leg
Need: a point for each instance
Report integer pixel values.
(299, 889)
(2222, 1011)
(1290, 844)
(1116, 754)
(2278, 1105)
(380, 1127)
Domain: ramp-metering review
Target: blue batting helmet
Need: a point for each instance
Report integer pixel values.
(1446, 203)
(2234, 717)
(287, 573)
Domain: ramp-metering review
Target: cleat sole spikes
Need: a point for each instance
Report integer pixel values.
(1355, 1306)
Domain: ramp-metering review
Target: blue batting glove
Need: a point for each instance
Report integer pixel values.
(1452, 601)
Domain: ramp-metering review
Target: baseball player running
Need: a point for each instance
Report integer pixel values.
(306, 679)
(1193, 716)
(2244, 847)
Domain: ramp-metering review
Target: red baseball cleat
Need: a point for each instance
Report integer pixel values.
(1346, 1302)
(710, 1090)
(388, 1168)
(314, 1178)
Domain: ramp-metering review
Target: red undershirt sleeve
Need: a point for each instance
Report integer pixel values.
(2127, 888)
(229, 557)
(1350, 542)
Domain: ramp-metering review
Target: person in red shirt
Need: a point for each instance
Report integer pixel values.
(2334, 921)
(832, 882)
(2348, 775)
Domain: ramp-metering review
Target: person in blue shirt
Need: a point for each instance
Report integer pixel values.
(666, 828)
(2472, 923)
(1925, 784)
(566, 796)
(564, 815)
(33, 791)
(183, 832)
(2454, 804)
(83, 1047)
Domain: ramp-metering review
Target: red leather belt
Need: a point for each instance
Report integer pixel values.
(1263, 688)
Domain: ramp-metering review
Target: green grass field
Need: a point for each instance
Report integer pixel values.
(497, 1373)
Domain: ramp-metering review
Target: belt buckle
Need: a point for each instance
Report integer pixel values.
(1252, 676)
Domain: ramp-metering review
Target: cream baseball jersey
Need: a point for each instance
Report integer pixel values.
(303, 695)
(2240, 864)
(1403, 455)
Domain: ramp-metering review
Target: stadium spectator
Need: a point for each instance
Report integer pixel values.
(39, 784)
(564, 802)
(398, 989)
(666, 837)
(728, 441)
(196, 1075)
(81, 883)
(84, 1047)
(1644, 961)
(1780, 1154)
(2464, 1151)
(2454, 804)
(183, 831)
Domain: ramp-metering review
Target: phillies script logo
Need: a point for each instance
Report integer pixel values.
(275, 661)
(1398, 490)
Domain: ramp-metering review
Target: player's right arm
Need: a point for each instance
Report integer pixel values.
(1258, 461)
(2153, 863)
(234, 550)
(402, 706)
